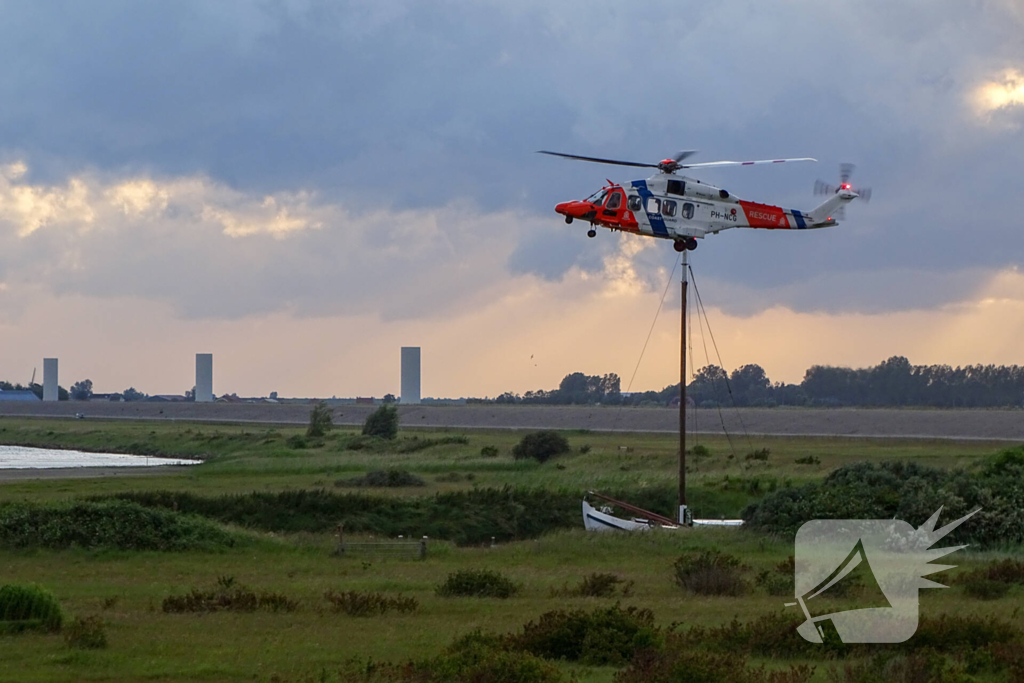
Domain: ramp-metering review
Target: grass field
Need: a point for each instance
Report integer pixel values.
(126, 589)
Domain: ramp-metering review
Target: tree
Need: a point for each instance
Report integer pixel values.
(81, 391)
(389, 398)
(190, 394)
(750, 384)
(273, 395)
(131, 394)
(382, 423)
(320, 421)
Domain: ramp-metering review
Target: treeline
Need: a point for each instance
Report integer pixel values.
(893, 382)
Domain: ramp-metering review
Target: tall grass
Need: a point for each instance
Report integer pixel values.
(29, 608)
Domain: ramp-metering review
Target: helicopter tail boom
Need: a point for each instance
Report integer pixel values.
(831, 208)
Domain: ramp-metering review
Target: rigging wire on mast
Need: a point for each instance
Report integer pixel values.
(707, 359)
(653, 323)
(728, 385)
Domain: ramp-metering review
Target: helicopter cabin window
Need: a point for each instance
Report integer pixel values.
(677, 187)
(687, 210)
(614, 200)
(634, 203)
(668, 207)
(653, 205)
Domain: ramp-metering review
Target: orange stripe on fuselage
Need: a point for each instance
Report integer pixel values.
(764, 215)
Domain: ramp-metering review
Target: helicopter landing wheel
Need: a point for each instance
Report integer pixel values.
(679, 246)
(691, 244)
(568, 219)
(591, 233)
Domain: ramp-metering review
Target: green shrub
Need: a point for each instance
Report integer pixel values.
(297, 442)
(602, 637)
(227, 596)
(489, 452)
(598, 585)
(682, 665)
(541, 446)
(478, 583)
(808, 460)
(392, 478)
(86, 633)
(710, 572)
(416, 443)
(24, 608)
(452, 477)
(1002, 571)
(114, 524)
(320, 421)
(585, 448)
(907, 491)
(700, 451)
(367, 604)
(382, 423)
(761, 454)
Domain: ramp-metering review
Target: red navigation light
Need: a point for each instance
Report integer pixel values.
(846, 186)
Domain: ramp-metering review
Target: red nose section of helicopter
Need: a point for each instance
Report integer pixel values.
(576, 209)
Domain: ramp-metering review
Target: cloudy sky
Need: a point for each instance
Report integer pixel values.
(302, 187)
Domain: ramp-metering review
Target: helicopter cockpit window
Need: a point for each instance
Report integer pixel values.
(687, 210)
(653, 205)
(614, 200)
(668, 207)
(634, 203)
(597, 198)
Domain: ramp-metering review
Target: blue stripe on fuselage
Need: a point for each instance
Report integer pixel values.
(800, 224)
(657, 222)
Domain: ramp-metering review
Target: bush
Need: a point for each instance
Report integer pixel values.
(808, 460)
(710, 572)
(392, 478)
(478, 583)
(910, 492)
(382, 423)
(598, 585)
(417, 443)
(297, 442)
(228, 597)
(700, 451)
(1002, 571)
(357, 604)
(699, 666)
(320, 421)
(759, 454)
(778, 581)
(24, 608)
(489, 452)
(86, 633)
(603, 637)
(111, 524)
(541, 446)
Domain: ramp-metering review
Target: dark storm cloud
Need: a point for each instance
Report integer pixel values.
(415, 105)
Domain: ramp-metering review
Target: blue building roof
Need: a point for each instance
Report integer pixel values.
(17, 396)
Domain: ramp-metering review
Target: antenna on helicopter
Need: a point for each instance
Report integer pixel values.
(845, 171)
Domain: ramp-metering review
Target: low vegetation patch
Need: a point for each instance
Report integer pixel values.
(28, 608)
(117, 524)
(228, 596)
(679, 665)
(808, 460)
(392, 478)
(598, 585)
(911, 492)
(86, 633)
(489, 452)
(540, 446)
(761, 454)
(478, 583)
(369, 604)
(710, 572)
(779, 580)
(602, 637)
(465, 517)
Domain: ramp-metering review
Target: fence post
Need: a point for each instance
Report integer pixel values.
(423, 548)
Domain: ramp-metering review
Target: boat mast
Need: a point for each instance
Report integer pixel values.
(682, 399)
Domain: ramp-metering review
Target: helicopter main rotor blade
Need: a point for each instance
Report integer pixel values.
(685, 154)
(596, 160)
(713, 164)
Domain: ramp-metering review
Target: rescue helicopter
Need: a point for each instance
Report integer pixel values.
(682, 209)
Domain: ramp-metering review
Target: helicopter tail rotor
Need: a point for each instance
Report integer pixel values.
(845, 172)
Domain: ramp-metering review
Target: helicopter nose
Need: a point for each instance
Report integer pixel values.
(574, 209)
